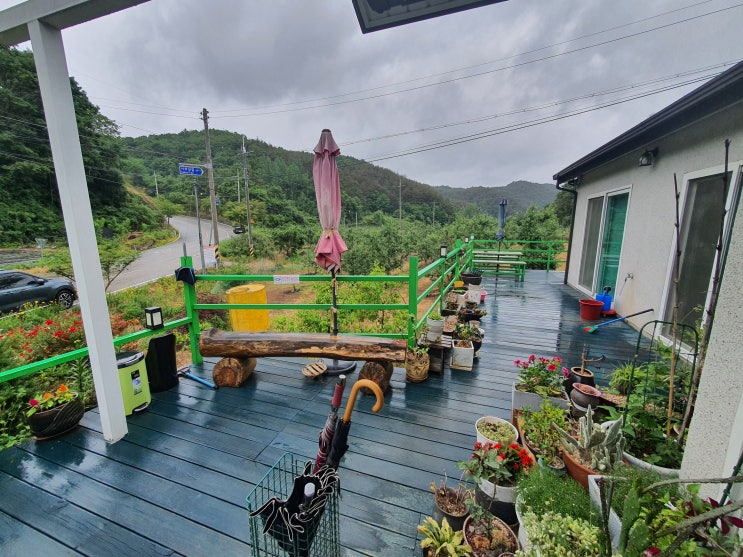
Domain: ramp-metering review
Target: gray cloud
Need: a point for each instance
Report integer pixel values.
(153, 67)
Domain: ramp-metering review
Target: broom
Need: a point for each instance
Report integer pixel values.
(592, 329)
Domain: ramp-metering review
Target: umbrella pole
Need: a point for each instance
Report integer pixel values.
(337, 367)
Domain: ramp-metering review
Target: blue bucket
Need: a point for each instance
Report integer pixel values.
(606, 299)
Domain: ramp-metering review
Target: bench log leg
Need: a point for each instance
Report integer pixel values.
(233, 372)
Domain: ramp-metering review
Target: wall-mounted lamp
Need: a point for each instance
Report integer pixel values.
(575, 182)
(648, 157)
(467, 240)
(153, 318)
(443, 251)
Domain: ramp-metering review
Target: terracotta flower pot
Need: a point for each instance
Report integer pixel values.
(576, 470)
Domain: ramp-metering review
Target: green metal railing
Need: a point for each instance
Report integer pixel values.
(444, 271)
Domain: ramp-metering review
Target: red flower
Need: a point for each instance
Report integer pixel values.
(49, 322)
(73, 329)
(33, 402)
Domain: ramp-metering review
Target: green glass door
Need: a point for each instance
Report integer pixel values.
(611, 246)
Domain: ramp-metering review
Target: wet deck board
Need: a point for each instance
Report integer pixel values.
(177, 483)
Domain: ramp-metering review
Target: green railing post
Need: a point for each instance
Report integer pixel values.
(549, 256)
(194, 329)
(413, 300)
(442, 287)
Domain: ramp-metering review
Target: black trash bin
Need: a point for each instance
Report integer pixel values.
(162, 370)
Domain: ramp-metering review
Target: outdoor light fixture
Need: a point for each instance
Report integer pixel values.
(153, 317)
(467, 240)
(444, 251)
(648, 157)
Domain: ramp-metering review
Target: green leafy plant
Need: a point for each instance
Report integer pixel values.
(555, 534)
(541, 491)
(441, 540)
(541, 375)
(658, 524)
(500, 464)
(538, 427)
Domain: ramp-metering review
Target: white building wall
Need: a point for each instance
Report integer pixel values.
(716, 432)
(649, 231)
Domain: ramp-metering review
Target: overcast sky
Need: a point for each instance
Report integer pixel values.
(282, 70)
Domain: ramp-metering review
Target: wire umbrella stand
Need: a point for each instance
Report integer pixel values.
(320, 538)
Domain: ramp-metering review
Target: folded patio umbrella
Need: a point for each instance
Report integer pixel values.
(326, 435)
(340, 439)
(330, 246)
(293, 522)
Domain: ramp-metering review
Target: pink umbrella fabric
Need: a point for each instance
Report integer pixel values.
(330, 246)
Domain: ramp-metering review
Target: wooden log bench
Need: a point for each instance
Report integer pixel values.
(240, 349)
(235, 344)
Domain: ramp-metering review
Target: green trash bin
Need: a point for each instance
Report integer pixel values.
(135, 388)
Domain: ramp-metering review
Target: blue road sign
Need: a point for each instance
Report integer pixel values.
(190, 170)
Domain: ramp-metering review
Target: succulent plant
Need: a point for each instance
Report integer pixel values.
(602, 447)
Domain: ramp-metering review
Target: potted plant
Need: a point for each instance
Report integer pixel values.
(442, 540)
(435, 325)
(539, 378)
(491, 429)
(541, 491)
(416, 362)
(595, 449)
(539, 434)
(462, 354)
(496, 468)
(465, 331)
(488, 535)
(450, 503)
(472, 276)
(54, 412)
(555, 534)
(582, 397)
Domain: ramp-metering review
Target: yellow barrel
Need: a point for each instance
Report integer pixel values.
(255, 320)
(458, 283)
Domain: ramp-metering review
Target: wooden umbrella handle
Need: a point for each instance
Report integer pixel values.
(355, 391)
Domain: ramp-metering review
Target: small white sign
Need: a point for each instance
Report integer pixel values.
(286, 279)
(210, 256)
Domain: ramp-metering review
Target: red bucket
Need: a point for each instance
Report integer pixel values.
(591, 309)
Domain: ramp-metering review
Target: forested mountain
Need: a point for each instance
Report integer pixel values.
(520, 195)
(281, 186)
(29, 201)
(280, 181)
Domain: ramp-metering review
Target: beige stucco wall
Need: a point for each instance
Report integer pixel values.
(649, 232)
(716, 432)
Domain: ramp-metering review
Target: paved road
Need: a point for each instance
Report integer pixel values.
(164, 260)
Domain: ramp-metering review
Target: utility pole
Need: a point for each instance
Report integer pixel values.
(433, 218)
(154, 173)
(198, 223)
(238, 186)
(247, 198)
(210, 172)
(401, 206)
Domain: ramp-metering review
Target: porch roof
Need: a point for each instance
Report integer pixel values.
(717, 94)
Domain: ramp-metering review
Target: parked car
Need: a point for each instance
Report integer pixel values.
(18, 288)
(239, 229)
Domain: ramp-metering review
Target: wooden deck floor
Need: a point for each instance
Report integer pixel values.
(177, 483)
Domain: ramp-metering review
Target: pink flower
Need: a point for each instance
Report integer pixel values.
(33, 402)
(532, 358)
(565, 372)
(552, 367)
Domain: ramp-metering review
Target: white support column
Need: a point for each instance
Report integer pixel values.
(56, 95)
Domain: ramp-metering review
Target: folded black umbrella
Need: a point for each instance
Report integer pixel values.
(293, 522)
